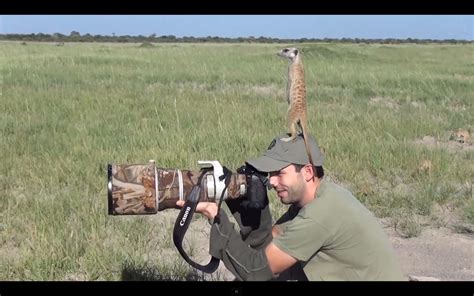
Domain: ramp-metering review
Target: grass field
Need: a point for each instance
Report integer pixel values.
(67, 111)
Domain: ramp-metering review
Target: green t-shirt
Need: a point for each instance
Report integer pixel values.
(335, 237)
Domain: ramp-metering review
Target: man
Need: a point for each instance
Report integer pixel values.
(326, 232)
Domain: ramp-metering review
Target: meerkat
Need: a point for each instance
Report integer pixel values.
(461, 136)
(296, 97)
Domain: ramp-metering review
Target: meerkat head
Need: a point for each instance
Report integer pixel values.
(290, 53)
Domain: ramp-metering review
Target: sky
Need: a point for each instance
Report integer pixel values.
(438, 27)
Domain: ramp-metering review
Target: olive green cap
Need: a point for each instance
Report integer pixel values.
(281, 154)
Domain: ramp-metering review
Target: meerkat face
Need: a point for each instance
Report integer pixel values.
(290, 53)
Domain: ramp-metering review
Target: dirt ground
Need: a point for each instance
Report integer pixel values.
(437, 254)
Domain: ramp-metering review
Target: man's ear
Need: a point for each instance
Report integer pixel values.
(309, 172)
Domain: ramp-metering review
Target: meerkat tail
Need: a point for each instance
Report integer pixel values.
(304, 127)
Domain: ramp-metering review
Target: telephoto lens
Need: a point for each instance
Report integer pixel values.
(141, 189)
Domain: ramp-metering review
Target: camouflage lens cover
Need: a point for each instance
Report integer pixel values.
(132, 189)
(137, 189)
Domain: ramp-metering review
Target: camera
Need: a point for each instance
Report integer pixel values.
(140, 189)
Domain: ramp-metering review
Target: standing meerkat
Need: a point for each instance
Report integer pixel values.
(296, 96)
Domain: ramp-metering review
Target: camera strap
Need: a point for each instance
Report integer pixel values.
(184, 219)
(226, 177)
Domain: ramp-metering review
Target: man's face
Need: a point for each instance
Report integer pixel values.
(289, 184)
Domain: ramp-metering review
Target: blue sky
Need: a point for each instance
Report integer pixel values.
(275, 26)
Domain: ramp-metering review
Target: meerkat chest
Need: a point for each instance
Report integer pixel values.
(297, 87)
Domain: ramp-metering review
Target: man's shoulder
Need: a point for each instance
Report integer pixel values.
(328, 187)
(331, 194)
(331, 198)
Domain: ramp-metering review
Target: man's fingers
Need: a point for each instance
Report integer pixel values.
(208, 209)
(200, 206)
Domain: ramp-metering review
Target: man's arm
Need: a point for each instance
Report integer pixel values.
(245, 262)
(242, 253)
(278, 260)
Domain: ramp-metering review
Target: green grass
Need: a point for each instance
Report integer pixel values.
(68, 111)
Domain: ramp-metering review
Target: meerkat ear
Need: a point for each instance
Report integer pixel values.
(296, 52)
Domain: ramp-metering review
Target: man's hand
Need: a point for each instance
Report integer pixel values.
(208, 209)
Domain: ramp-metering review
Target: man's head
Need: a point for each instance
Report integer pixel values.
(281, 154)
(290, 172)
